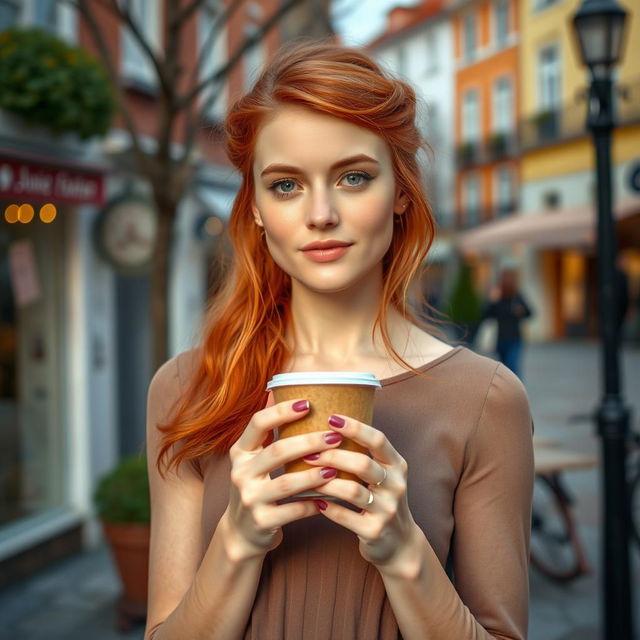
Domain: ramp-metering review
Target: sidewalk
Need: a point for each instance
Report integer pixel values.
(75, 599)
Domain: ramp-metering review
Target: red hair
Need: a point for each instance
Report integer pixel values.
(243, 341)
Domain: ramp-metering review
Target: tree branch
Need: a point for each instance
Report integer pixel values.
(216, 28)
(182, 16)
(82, 6)
(224, 70)
(124, 15)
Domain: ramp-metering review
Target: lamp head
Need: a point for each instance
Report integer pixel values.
(599, 26)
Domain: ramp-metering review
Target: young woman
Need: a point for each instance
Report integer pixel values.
(326, 143)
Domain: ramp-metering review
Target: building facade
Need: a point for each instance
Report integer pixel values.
(75, 353)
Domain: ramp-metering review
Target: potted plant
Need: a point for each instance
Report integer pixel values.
(47, 82)
(122, 504)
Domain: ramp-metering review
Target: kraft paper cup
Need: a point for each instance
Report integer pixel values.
(349, 393)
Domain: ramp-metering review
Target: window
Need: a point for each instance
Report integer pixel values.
(255, 57)
(549, 77)
(505, 190)
(9, 13)
(469, 27)
(135, 63)
(402, 61)
(472, 199)
(541, 5)
(503, 105)
(470, 116)
(432, 53)
(44, 14)
(501, 9)
(212, 47)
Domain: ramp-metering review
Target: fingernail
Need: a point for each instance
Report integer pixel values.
(321, 504)
(332, 438)
(300, 405)
(337, 421)
(312, 456)
(328, 472)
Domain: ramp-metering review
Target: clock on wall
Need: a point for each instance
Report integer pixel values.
(126, 233)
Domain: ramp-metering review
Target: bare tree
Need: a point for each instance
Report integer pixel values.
(184, 96)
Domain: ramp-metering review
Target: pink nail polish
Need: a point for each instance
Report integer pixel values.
(300, 405)
(332, 438)
(328, 472)
(321, 504)
(336, 421)
(312, 456)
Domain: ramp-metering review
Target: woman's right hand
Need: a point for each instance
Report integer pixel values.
(252, 523)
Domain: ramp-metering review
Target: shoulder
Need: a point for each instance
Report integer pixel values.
(501, 389)
(178, 369)
(170, 380)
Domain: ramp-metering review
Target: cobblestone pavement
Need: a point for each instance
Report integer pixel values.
(75, 599)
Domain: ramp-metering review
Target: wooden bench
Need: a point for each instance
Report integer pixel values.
(550, 460)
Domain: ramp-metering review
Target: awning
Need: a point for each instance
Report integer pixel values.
(555, 228)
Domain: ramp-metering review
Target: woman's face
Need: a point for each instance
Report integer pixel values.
(319, 178)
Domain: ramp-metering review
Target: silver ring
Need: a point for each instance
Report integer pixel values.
(370, 498)
(377, 484)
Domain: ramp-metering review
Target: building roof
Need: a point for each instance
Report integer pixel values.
(403, 20)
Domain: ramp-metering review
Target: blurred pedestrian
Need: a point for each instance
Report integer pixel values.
(509, 308)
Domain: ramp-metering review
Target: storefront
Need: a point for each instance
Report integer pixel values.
(42, 345)
(556, 251)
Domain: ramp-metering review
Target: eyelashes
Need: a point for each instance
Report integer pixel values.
(283, 195)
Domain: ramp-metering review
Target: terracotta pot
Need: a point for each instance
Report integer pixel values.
(130, 546)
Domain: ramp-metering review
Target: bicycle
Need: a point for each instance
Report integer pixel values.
(556, 548)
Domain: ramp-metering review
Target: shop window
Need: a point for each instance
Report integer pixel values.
(32, 430)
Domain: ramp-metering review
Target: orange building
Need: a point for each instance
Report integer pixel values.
(485, 38)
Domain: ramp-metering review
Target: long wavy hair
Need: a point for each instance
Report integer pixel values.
(245, 323)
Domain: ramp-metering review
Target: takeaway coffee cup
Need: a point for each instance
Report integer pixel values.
(345, 392)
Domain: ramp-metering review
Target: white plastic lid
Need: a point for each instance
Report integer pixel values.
(324, 377)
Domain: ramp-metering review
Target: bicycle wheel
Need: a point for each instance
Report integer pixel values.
(634, 508)
(556, 550)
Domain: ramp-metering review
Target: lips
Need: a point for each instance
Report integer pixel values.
(327, 254)
(326, 244)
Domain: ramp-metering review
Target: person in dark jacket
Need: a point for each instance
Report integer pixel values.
(509, 308)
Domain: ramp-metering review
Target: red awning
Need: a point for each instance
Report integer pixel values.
(555, 228)
(26, 177)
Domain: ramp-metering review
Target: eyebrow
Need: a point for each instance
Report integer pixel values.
(285, 168)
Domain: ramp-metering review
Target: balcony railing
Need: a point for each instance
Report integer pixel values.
(547, 126)
(498, 146)
(568, 121)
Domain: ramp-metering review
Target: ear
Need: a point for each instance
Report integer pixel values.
(256, 215)
(400, 203)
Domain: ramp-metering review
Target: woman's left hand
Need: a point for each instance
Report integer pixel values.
(385, 527)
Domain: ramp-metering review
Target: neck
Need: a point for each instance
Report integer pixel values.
(336, 327)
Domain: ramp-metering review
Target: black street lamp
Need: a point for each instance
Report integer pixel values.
(599, 26)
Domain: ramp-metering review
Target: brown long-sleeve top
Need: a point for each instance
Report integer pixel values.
(466, 434)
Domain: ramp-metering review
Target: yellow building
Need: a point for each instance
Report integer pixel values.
(553, 234)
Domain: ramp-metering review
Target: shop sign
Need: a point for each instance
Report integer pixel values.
(23, 182)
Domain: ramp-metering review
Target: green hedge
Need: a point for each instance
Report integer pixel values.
(45, 81)
(122, 496)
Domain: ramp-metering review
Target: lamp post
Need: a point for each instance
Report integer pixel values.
(599, 26)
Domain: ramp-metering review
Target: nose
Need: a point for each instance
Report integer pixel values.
(321, 213)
